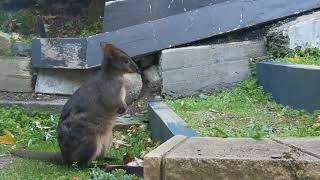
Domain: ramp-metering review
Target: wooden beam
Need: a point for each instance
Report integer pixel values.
(182, 28)
(119, 14)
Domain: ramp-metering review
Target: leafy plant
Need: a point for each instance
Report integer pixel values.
(309, 56)
(118, 174)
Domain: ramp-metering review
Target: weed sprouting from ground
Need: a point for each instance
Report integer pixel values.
(308, 56)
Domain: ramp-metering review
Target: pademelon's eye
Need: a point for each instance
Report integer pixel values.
(126, 61)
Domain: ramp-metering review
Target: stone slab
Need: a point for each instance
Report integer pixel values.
(297, 86)
(15, 75)
(310, 145)
(53, 106)
(164, 123)
(204, 69)
(67, 81)
(152, 161)
(5, 42)
(237, 159)
(61, 81)
(302, 31)
(166, 32)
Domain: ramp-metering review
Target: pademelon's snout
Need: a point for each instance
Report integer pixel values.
(134, 67)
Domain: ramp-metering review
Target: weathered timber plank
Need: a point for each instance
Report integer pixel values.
(119, 14)
(59, 53)
(185, 28)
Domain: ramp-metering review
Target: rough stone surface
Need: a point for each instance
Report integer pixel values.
(302, 31)
(308, 145)
(133, 83)
(61, 81)
(67, 53)
(152, 77)
(237, 159)
(66, 82)
(21, 49)
(152, 161)
(4, 41)
(203, 69)
(15, 74)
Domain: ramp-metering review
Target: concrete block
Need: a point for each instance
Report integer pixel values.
(294, 85)
(310, 145)
(203, 69)
(61, 81)
(66, 82)
(152, 161)
(165, 123)
(300, 32)
(238, 159)
(15, 74)
(5, 42)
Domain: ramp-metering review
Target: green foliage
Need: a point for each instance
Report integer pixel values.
(29, 128)
(21, 22)
(37, 131)
(308, 56)
(91, 29)
(244, 111)
(140, 140)
(119, 174)
(5, 52)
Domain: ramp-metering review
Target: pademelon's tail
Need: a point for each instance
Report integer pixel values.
(45, 156)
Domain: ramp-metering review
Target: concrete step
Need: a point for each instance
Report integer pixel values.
(234, 159)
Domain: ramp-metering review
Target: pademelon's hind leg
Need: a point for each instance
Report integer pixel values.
(77, 142)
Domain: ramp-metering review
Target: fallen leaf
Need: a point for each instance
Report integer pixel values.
(7, 138)
(127, 158)
(75, 178)
(119, 143)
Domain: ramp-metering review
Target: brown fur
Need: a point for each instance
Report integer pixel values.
(88, 118)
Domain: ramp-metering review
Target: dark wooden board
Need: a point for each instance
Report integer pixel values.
(185, 28)
(121, 14)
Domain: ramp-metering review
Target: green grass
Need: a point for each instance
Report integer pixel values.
(309, 56)
(36, 131)
(244, 111)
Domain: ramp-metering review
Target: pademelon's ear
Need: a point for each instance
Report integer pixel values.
(110, 49)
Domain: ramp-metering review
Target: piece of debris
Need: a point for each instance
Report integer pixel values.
(7, 138)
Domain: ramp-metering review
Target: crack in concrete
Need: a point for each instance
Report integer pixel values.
(296, 148)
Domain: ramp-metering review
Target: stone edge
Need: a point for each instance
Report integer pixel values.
(164, 123)
(153, 161)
